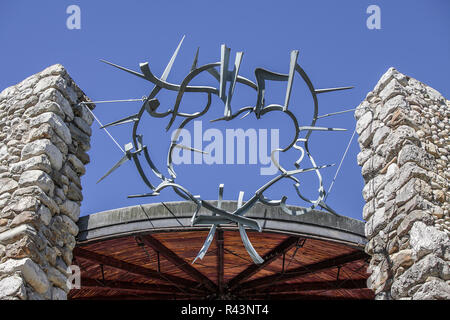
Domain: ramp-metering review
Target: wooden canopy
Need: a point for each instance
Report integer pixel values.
(146, 252)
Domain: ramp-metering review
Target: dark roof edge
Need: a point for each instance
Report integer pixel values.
(154, 217)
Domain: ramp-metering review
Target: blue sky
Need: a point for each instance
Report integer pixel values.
(336, 49)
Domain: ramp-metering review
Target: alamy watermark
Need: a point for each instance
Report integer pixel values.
(74, 20)
(374, 20)
(220, 149)
(74, 280)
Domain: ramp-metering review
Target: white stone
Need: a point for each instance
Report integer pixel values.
(7, 185)
(11, 235)
(56, 123)
(70, 225)
(45, 215)
(391, 171)
(84, 114)
(40, 162)
(26, 203)
(403, 258)
(392, 89)
(77, 164)
(37, 178)
(368, 209)
(377, 222)
(12, 287)
(372, 166)
(435, 289)
(391, 105)
(363, 156)
(434, 94)
(406, 192)
(415, 154)
(71, 209)
(426, 239)
(372, 187)
(31, 272)
(385, 78)
(363, 122)
(43, 146)
(54, 81)
(429, 266)
(83, 125)
(3, 151)
(55, 95)
(45, 106)
(380, 136)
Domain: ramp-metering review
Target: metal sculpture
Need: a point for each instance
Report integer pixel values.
(223, 76)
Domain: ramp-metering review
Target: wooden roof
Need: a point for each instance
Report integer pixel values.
(156, 263)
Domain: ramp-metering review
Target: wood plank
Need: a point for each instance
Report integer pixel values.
(296, 296)
(132, 286)
(132, 268)
(155, 296)
(268, 258)
(220, 260)
(178, 261)
(313, 285)
(301, 271)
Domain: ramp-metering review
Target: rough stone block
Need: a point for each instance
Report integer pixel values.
(364, 121)
(37, 178)
(24, 217)
(11, 287)
(407, 223)
(436, 289)
(43, 107)
(427, 239)
(7, 185)
(43, 146)
(413, 153)
(429, 266)
(71, 209)
(380, 135)
(12, 235)
(77, 164)
(376, 223)
(40, 162)
(56, 96)
(55, 122)
(70, 225)
(31, 272)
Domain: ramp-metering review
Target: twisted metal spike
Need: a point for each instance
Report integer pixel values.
(124, 159)
(177, 145)
(317, 91)
(234, 75)
(137, 74)
(312, 128)
(224, 59)
(194, 64)
(244, 237)
(132, 118)
(172, 60)
(249, 247)
(293, 62)
(212, 230)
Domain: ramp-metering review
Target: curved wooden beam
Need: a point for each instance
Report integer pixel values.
(301, 271)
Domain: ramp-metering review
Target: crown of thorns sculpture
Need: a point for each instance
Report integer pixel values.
(223, 76)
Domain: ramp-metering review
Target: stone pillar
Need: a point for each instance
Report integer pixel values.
(44, 137)
(403, 127)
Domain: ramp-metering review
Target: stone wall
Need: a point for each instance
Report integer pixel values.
(44, 137)
(403, 128)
